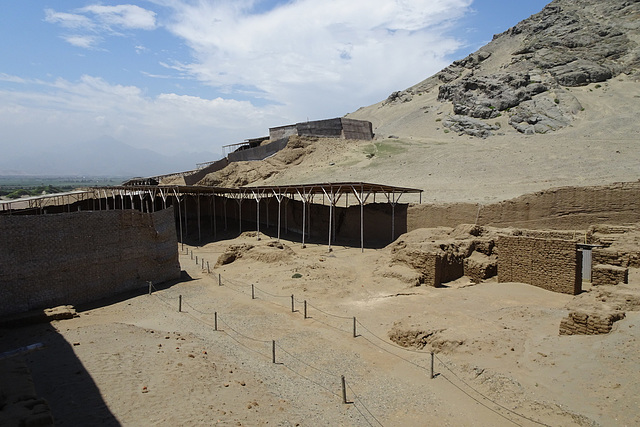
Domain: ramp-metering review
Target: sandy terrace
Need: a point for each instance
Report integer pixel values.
(500, 360)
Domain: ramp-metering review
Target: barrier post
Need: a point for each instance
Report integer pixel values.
(208, 271)
(273, 351)
(219, 280)
(149, 287)
(215, 321)
(253, 293)
(196, 259)
(179, 303)
(293, 310)
(432, 376)
(305, 309)
(344, 390)
(354, 327)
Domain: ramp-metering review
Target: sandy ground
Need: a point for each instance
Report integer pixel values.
(499, 358)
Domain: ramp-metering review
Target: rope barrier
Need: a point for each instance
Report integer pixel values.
(363, 405)
(375, 345)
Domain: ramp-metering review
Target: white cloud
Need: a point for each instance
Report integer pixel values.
(317, 55)
(68, 20)
(90, 20)
(85, 41)
(125, 15)
(52, 113)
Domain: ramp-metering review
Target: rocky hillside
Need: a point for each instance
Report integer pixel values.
(526, 73)
(552, 102)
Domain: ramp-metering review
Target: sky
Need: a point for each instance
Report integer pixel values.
(193, 75)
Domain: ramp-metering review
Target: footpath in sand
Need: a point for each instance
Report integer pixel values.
(499, 359)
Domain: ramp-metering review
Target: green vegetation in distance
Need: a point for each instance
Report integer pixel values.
(14, 187)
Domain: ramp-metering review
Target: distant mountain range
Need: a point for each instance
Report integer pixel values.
(104, 156)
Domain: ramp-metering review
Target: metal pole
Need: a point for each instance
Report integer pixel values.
(219, 280)
(432, 376)
(279, 202)
(258, 217)
(330, 216)
(305, 309)
(354, 328)
(179, 303)
(273, 350)
(199, 229)
(292, 306)
(304, 218)
(253, 293)
(344, 390)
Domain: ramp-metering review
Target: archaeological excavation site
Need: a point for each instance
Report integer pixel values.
(464, 252)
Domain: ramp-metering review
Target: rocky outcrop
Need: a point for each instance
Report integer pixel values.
(468, 126)
(485, 96)
(525, 72)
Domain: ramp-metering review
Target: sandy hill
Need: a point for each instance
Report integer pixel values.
(550, 102)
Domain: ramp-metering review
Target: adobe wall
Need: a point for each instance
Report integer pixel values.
(566, 208)
(552, 264)
(258, 153)
(79, 257)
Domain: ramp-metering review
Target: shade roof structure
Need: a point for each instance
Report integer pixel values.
(336, 193)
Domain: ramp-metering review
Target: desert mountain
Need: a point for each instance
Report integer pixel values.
(550, 102)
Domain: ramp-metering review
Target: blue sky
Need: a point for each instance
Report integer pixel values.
(193, 75)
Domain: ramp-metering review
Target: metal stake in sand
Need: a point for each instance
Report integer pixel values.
(293, 309)
(344, 390)
(253, 293)
(208, 271)
(273, 350)
(219, 280)
(179, 303)
(196, 259)
(355, 334)
(215, 321)
(432, 376)
(305, 309)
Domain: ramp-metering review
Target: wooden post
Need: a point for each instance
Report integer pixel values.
(149, 287)
(292, 305)
(432, 376)
(344, 390)
(215, 321)
(196, 259)
(305, 309)
(274, 350)
(253, 293)
(219, 280)
(208, 271)
(179, 303)
(354, 327)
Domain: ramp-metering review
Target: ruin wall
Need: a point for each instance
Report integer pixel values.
(566, 208)
(555, 265)
(80, 257)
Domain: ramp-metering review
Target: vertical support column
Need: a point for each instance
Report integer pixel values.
(304, 219)
(186, 217)
(226, 225)
(257, 216)
(199, 228)
(330, 215)
(213, 216)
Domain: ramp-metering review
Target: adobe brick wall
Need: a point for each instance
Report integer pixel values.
(79, 257)
(551, 264)
(603, 274)
(613, 257)
(589, 323)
